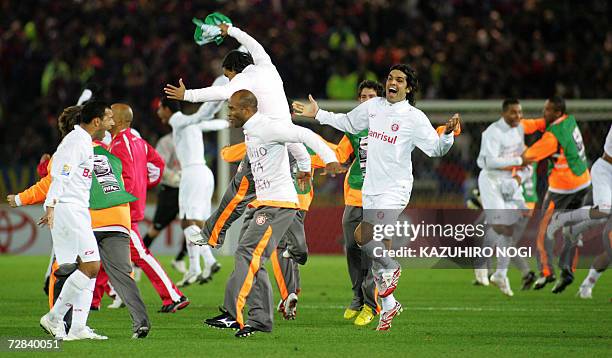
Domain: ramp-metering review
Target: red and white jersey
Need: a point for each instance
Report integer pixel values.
(394, 130)
(142, 167)
(71, 170)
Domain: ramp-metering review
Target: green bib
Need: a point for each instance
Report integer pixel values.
(570, 139)
(359, 142)
(107, 188)
(530, 192)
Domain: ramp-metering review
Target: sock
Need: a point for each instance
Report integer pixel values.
(591, 278)
(521, 264)
(388, 302)
(193, 251)
(147, 240)
(209, 258)
(577, 215)
(503, 261)
(75, 283)
(81, 306)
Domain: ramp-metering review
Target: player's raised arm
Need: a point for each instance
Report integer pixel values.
(260, 56)
(352, 122)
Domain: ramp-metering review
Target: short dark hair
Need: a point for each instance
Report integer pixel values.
(91, 110)
(70, 117)
(172, 104)
(246, 99)
(375, 85)
(237, 61)
(558, 103)
(411, 80)
(509, 102)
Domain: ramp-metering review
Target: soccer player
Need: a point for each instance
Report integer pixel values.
(271, 215)
(167, 208)
(501, 147)
(142, 169)
(586, 217)
(197, 180)
(364, 305)
(568, 183)
(394, 127)
(66, 214)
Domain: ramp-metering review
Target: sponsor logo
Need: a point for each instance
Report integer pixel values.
(17, 231)
(260, 219)
(382, 136)
(104, 174)
(380, 215)
(89, 252)
(395, 127)
(65, 170)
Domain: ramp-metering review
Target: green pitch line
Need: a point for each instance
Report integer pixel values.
(443, 315)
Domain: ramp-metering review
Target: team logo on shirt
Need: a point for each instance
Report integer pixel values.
(395, 127)
(104, 174)
(65, 170)
(260, 219)
(380, 215)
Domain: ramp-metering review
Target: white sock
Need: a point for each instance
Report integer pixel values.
(193, 251)
(574, 215)
(82, 304)
(75, 283)
(387, 302)
(503, 261)
(591, 278)
(209, 258)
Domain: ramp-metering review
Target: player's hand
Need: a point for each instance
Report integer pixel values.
(176, 92)
(306, 110)
(303, 179)
(47, 219)
(11, 200)
(333, 168)
(453, 123)
(526, 160)
(44, 158)
(223, 28)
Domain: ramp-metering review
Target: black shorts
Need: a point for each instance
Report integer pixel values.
(167, 207)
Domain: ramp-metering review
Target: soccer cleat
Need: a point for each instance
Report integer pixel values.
(188, 279)
(553, 226)
(117, 303)
(386, 317)
(585, 292)
(502, 283)
(56, 329)
(223, 321)
(281, 306)
(84, 333)
(528, 280)
(290, 307)
(481, 277)
(179, 266)
(350, 313)
(141, 332)
(246, 331)
(366, 316)
(543, 281)
(208, 273)
(566, 279)
(387, 281)
(175, 306)
(94, 308)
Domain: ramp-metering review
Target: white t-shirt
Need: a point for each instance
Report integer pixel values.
(501, 147)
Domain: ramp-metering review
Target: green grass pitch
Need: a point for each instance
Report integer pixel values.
(444, 315)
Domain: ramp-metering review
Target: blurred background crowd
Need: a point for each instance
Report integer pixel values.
(461, 49)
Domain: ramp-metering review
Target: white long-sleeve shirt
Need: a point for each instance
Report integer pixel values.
(187, 129)
(265, 140)
(166, 149)
(264, 81)
(71, 170)
(501, 147)
(394, 130)
(608, 144)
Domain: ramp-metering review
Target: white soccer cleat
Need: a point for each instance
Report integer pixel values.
(553, 226)
(291, 306)
(56, 329)
(180, 266)
(482, 277)
(188, 279)
(585, 292)
(84, 333)
(386, 317)
(117, 303)
(387, 281)
(502, 283)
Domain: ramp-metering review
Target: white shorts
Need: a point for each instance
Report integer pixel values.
(195, 192)
(384, 208)
(601, 177)
(499, 211)
(72, 234)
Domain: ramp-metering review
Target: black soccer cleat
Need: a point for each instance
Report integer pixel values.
(528, 280)
(246, 331)
(543, 281)
(141, 332)
(175, 306)
(566, 279)
(223, 321)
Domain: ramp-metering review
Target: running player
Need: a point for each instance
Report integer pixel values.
(395, 127)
